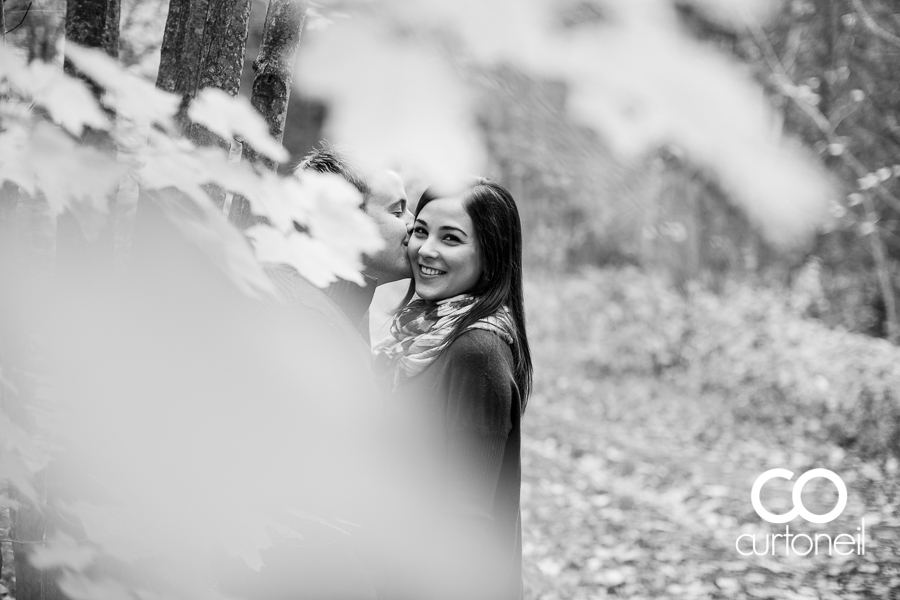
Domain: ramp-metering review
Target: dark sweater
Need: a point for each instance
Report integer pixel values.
(459, 427)
(341, 397)
(354, 301)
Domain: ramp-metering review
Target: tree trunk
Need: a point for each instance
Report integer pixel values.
(224, 42)
(3, 41)
(180, 58)
(94, 24)
(272, 85)
(203, 46)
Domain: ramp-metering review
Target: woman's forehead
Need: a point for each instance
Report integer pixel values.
(446, 211)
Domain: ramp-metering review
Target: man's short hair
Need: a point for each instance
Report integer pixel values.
(326, 159)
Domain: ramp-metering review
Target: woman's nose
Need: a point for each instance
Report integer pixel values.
(428, 249)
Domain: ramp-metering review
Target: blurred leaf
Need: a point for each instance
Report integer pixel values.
(62, 551)
(66, 98)
(127, 94)
(220, 242)
(312, 258)
(14, 470)
(81, 587)
(230, 117)
(78, 178)
(176, 163)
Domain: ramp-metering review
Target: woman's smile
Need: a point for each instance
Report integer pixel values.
(430, 271)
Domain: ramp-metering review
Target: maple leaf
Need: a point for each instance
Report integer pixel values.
(81, 587)
(230, 117)
(17, 473)
(66, 98)
(313, 258)
(177, 163)
(14, 70)
(127, 94)
(62, 551)
(334, 214)
(73, 177)
(338, 231)
(15, 165)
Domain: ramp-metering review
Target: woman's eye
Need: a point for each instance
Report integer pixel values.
(419, 231)
(451, 238)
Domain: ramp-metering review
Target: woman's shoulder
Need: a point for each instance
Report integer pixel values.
(480, 347)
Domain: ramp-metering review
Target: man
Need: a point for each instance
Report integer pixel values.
(385, 201)
(341, 395)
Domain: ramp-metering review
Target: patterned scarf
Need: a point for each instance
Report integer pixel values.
(421, 331)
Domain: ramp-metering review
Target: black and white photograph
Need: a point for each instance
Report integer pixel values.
(449, 300)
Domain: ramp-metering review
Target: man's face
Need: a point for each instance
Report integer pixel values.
(388, 207)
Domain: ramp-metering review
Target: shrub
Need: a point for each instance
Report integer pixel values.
(749, 343)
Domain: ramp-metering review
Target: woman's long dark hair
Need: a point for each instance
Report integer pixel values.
(499, 232)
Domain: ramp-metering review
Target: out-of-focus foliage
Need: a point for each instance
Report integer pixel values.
(121, 368)
(752, 345)
(662, 88)
(42, 158)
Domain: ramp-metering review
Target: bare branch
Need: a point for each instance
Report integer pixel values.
(884, 274)
(22, 20)
(874, 27)
(788, 88)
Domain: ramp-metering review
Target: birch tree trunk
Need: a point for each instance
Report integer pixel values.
(272, 84)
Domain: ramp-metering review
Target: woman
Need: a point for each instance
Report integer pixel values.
(459, 368)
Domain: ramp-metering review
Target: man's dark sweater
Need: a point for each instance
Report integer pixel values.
(343, 401)
(458, 433)
(354, 301)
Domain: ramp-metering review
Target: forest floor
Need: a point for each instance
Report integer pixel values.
(636, 487)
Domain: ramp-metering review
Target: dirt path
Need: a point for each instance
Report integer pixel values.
(635, 489)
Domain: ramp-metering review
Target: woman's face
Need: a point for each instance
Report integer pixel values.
(443, 250)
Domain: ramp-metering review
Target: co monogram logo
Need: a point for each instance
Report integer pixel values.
(799, 509)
